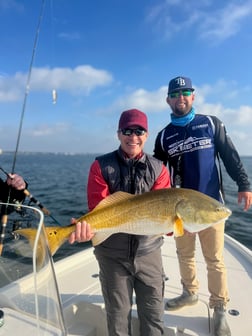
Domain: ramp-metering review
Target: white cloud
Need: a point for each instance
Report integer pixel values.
(211, 22)
(54, 135)
(148, 101)
(244, 116)
(225, 22)
(70, 36)
(11, 5)
(45, 130)
(80, 80)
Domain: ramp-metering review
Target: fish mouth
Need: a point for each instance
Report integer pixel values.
(225, 210)
(199, 224)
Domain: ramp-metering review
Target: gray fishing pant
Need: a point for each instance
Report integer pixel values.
(119, 278)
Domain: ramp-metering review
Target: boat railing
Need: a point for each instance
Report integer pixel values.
(29, 295)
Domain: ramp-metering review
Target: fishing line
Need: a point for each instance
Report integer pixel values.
(54, 91)
(27, 89)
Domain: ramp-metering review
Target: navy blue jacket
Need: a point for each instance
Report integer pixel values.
(191, 152)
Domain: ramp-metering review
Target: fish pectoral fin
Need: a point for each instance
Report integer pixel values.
(100, 237)
(178, 227)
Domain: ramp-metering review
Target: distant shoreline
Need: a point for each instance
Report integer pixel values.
(66, 153)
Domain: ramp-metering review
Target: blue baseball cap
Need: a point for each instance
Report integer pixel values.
(180, 83)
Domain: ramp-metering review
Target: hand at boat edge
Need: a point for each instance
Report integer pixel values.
(82, 232)
(16, 181)
(247, 197)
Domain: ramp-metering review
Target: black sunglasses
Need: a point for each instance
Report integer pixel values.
(130, 131)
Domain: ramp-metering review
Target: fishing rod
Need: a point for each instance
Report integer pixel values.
(28, 83)
(40, 205)
(34, 200)
(27, 193)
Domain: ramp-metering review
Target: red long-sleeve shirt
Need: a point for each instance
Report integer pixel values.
(97, 188)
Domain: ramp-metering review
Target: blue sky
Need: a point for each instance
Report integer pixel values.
(103, 57)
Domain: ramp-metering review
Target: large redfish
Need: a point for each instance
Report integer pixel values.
(156, 212)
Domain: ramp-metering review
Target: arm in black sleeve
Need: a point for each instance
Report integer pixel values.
(1, 189)
(159, 153)
(230, 157)
(15, 195)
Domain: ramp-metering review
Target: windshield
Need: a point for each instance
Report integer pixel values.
(29, 296)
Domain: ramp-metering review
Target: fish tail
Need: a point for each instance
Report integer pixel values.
(30, 235)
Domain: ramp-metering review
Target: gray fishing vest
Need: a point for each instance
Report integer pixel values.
(129, 175)
(135, 177)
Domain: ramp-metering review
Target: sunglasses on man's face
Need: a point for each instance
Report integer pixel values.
(184, 93)
(130, 131)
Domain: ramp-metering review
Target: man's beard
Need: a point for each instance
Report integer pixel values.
(180, 112)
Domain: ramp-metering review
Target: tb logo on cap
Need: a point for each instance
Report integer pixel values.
(180, 81)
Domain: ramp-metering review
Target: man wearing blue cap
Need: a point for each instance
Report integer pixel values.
(190, 144)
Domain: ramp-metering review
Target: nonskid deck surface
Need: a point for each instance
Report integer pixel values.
(83, 303)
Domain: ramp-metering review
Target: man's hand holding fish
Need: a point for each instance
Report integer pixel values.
(82, 232)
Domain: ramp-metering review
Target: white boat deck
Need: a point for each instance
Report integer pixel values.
(31, 303)
(84, 312)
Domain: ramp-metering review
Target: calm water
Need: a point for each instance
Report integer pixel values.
(59, 182)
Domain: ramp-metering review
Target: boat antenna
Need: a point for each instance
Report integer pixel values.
(27, 89)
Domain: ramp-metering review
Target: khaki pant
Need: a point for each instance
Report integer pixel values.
(212, 245)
